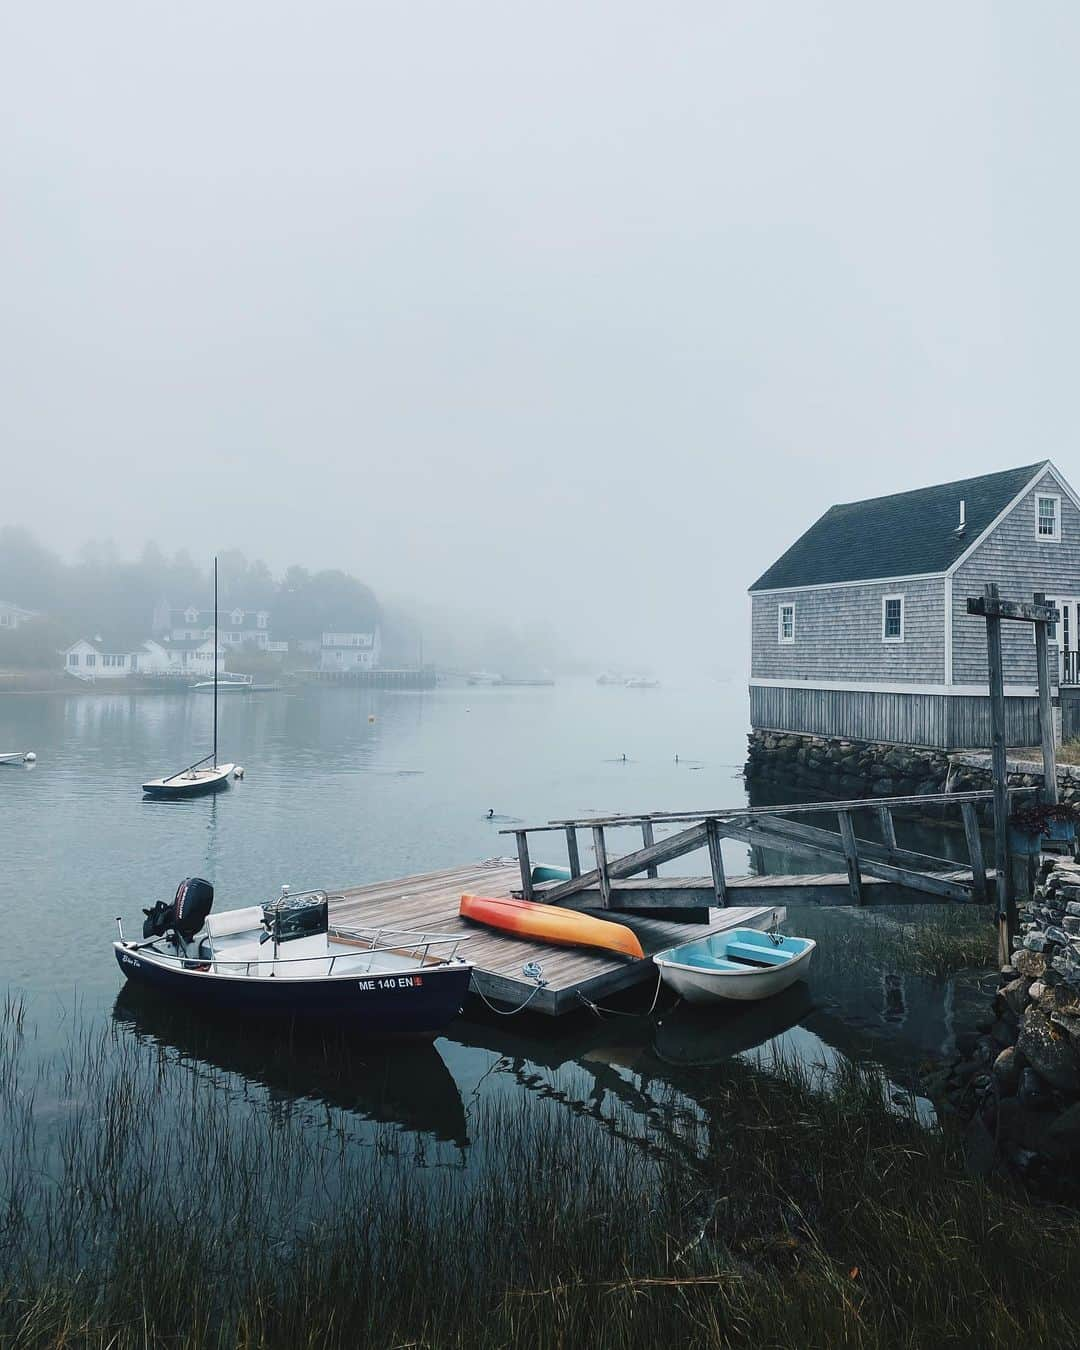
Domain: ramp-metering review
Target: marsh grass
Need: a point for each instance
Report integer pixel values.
(167, 1209)
(932, 940)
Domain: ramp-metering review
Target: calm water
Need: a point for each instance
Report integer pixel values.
(334, 798)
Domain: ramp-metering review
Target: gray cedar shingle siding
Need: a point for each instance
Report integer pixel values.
(838, 635)
(1021, 564)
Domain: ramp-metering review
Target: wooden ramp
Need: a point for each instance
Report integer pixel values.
(573, 975)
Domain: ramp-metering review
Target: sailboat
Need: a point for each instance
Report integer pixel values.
(200, 777)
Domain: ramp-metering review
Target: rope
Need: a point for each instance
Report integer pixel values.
(620, 1012)
(510, 1012)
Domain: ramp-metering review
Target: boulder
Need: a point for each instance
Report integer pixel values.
(1029, 963)
(1014, 996)
(1062, 1137)
(1007, 1069)
(1049, 1051)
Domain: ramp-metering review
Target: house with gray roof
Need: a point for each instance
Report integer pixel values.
(860, 630)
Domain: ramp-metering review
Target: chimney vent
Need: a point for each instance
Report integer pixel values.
(963, 518)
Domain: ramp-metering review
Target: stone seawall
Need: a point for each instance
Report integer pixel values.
(848, 768)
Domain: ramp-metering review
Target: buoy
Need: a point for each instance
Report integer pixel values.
(371, 717)
(29, 757)
(238, 772)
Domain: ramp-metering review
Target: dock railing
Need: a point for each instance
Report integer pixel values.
(768, 827)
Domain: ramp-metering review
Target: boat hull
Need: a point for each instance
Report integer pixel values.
(693, 979)
(417, 1003)
(189, 785)
(549, 923)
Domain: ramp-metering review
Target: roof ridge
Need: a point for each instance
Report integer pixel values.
(952, 483)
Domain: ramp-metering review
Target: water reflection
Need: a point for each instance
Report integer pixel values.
(407, 1085)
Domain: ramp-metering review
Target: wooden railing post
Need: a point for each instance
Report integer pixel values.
(600, 848)
(974, 848)
(524, 863)
(888, 829)
(716, 861)
(648, 839)
(851, 855)
(572, 851)
(1006, 907)
(1046, 716)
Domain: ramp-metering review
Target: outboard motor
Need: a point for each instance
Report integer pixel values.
(187, 913)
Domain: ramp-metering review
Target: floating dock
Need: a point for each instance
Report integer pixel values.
(574, 976)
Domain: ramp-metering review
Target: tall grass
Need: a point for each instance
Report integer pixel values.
(164, 1207)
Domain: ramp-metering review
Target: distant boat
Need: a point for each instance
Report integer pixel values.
(198, 778)
(526, 684)
(483, 677)
(609, 679)
(639, 683)
(18, 757)
(742, 964)
(227, 683)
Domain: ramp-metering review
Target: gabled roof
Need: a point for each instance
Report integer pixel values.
(906, 534)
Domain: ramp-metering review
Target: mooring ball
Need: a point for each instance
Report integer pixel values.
(371, 717)
(238, 772)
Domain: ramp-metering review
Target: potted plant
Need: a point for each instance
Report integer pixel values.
(1028, 825)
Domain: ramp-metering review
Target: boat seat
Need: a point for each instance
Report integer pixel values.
(769, 956)
(234, 921)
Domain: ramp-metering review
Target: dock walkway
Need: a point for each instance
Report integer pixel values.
(574, 975)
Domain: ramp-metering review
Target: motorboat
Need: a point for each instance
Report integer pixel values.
(641, 683)
(550, 923)
(740, 964)
(17, 757)
(284, 959)
(228, 682)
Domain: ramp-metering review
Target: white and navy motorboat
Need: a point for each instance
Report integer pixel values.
(17, 757)
(741, 964)
(227, 682)
(283, 959)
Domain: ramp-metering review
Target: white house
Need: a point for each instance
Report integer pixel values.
(105, 658)
(350, 651)
(101, 658)
(11, 616)
(235, 626)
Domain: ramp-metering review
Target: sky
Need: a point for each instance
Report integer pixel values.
(575, 314)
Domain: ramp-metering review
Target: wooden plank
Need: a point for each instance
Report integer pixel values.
(888, 829)
(572, 851)
(988, 606)
(603, 877)
(1046, 717)
(524, 864)
(716, 862)
(975, 853)
(648, 839)
(831, 842)
(1006, 910)
(851, 853)
(675, 846)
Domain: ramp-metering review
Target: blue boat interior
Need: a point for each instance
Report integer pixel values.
(739, 949)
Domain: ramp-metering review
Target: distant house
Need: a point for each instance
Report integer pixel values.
(860, 630)
(117, 657)
(11, 616)
(350, 651)
(236, 625)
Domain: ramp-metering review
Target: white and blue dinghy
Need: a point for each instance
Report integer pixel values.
(284, 960)
(740, 965)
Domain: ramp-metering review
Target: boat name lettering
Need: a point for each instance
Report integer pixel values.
(391, 982)
(130, 961)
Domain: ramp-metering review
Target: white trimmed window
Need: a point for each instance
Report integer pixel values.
(73, 658)
(1047, 517)
(892, 618)
(785, 624)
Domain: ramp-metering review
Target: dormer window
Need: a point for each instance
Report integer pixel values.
(263, 616)
(1048, 517)
(191, 615)
(237, 616)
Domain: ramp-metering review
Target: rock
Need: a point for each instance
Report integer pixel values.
(1073, 909)
(1062, 1137)
(1007, 1069)
(1014, 996)
(1036, 990)
(1035, 942)
(1003, 1032)
(1029, 963)
(1006, 974)
(1070, 924)
(1048, 1051)
(1032, 1091)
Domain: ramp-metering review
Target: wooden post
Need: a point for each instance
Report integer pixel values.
(648, 838)
(888, 829)
(601, 865)
(716, 862)
(974, 848)
(851, 854)
(524, 864)
(1046, 716)
(1006, 907)
(572, 851)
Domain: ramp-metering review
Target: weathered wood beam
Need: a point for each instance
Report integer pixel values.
(600, 848)
(851, 855)
(888, 828)
(1046, 716)
(665, 850)
(868, 848)
(524, 864)
(648, 838)
(1005, 907)
(975, 852)
(716, 861)
(993, 607)
(572, 854)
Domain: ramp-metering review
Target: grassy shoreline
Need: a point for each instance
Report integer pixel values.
(165, 1208)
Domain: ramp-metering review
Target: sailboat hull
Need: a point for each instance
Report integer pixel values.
(194, 783)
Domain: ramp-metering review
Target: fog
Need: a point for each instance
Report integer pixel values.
(576, 314)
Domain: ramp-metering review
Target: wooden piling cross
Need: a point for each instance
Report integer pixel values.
(716, 861)
(648, 838)
(851, 855)
(572, 851)
(888, 829)
(603, 875)
(525, 864)
(993, 609)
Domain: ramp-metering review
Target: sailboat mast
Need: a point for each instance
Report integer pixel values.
(215, 660)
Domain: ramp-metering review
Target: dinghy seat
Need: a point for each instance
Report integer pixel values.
(235, 921)
(765, 956)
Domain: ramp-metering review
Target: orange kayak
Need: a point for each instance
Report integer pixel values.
(549, 923)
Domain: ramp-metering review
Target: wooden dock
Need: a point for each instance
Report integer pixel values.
(574, 976)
